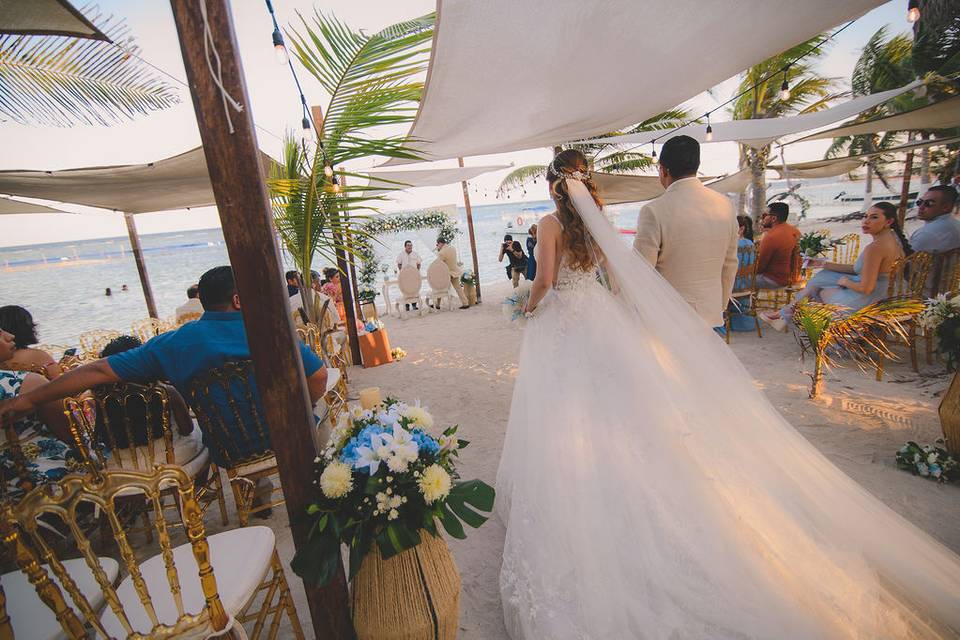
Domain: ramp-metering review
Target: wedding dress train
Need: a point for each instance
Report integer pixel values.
(651, 491)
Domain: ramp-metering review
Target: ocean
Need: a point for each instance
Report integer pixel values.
(63, 284)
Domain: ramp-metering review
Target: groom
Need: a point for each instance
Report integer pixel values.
(690, 233)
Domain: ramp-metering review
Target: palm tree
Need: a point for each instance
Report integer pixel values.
(371, 82)
(884, 64)
(62, 80)
(760, 89)
(616, 161)
(828, 330)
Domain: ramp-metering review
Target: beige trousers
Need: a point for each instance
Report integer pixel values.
(455, 281)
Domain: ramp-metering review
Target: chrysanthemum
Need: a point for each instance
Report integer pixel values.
(434, 483)
(336, 480)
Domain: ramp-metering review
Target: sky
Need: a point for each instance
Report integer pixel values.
(275, 107)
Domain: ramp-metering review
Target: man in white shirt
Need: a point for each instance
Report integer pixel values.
(191, 309)
(408, 257)
(940, 231)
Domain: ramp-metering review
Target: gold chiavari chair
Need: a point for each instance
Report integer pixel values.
(185, 318)
(227, 407)
(745, 289)
(93, 342)
(907, 279)
(777, 298)
(192, 590)
(149, 328)
(848, 249)
(15, 468)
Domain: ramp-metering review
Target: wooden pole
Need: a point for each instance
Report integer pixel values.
(905, 188)
(242, 200)
(347, 293)
(141, 265)
(350, 259)
(473, 238)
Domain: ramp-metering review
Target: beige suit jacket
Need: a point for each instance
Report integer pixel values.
(449, 256)
(690, 235)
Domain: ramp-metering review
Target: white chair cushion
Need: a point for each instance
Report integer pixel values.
(333, 377)
(240, 560)
(33, 620)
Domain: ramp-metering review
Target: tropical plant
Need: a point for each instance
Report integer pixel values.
(600, 156)
(829, 331)
(759, 97)
(62, 80)
(372, 82)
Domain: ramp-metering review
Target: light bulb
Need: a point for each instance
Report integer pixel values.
(784, 91)
(279, 50)
(913, 11)
(709, 135)
(328, 171)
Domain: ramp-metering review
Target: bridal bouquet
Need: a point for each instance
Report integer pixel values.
(515, 304)
(930, 461)
(382, 479)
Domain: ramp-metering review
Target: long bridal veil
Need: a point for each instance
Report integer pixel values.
(681, 501)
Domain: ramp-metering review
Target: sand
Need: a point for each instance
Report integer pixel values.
(462, 366)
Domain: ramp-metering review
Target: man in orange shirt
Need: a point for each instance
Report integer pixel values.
(780, 240)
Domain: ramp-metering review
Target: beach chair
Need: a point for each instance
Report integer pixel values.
(438, 277)
(206, 586)
(409, 283)
(744, 295)
(848, 250)
(908, 277)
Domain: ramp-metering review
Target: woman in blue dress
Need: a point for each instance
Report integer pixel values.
(531, 253)
(739, 321)
(862, 283)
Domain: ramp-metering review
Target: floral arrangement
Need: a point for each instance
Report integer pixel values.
(930, 461)
(515, 304)
(367, 295)
(816, 243)
(941, 317)
(397, 353)
(427, 219)
(374, 324)
(382, 479)
(468, 278)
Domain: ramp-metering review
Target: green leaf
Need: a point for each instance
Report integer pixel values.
(451, 523)
(395, 538)
(316, 561)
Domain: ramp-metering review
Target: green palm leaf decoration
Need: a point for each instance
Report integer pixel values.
(829, 331)
(373, 81)
(62, 81)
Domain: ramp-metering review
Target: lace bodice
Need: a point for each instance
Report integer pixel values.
(568, 278)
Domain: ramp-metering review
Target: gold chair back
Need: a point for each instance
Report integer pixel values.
(849, 250)
(17, 460)
(149, 328)
(312, 335)
(93, 342)
(944, 274)
(20, 527)
(746, 279)
(908, 276)
(185, 318)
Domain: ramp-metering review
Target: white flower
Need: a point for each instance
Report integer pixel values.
(448, 443)
(336, 480)
(916, 457)
(369, 456)
(397, 464)
(932, 458)
(435, 483)
(419, 416)
(395, 502)
(393, 515)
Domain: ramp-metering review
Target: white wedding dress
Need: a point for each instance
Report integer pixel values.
(651, 491)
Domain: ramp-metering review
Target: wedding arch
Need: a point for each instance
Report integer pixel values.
(434, 218)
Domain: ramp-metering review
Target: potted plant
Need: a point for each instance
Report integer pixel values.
(384, 482)
(469, 282)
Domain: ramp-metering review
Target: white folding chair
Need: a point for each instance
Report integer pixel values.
(438, 277)
(409, 282)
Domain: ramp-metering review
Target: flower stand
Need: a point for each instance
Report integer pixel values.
(415, 595)
(375, 348)
(470, 290)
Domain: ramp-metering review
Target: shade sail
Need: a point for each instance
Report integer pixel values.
(761, 132)
(178, 182)
(733, 183)
(508, 75)
(8, 206)
(942, 115)
(392, 180)
(46, 17)
(620, 189)
(830, 167)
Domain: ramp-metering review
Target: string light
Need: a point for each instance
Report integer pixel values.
(307, 129)
(709, 136)
(653, 146)
(328, 171)
(913, 11)
(278, 47)
(784, 94)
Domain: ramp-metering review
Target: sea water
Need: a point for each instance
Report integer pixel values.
(63, 284)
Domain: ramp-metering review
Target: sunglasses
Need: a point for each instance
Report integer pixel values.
(926, 203)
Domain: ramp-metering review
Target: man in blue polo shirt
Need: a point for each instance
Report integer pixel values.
(177, 356)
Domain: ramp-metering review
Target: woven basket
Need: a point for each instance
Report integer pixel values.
(950, 415)
(414, 595)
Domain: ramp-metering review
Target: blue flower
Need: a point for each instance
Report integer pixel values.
(350, 453)
(922, 469)
(935, 470)
(425, 442)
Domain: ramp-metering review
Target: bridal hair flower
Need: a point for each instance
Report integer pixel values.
(560, 173)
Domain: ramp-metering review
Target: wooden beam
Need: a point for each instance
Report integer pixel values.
(242, 200)
(473, 239)
(141, 265)
(905, 186)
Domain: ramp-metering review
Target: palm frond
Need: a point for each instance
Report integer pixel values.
(61, 81)
(520, 176)
(624, 162)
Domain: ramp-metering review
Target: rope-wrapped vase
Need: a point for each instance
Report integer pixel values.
(415, 595)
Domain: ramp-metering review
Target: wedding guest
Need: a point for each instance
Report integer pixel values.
(43, 425)
(531, 253)
(333, 289)
(18, 322)
(448, 254)
(180, 356)
(408, 257)
(107, 292)
(862, 283)
(518, 263)
(124, 287)
(293, 282)
(738, 320)
(941, 230)
(777, 248)
(505, 253)
(192, 307)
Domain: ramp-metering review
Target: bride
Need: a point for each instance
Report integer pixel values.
(651, 491)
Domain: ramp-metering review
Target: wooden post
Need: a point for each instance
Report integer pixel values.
(905, 188)
(347, 293)
(141, 265)
(242, 200)
(473, 239)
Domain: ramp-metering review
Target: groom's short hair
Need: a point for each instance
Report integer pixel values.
(680, 156)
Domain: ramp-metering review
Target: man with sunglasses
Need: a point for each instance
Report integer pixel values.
(941, 230)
